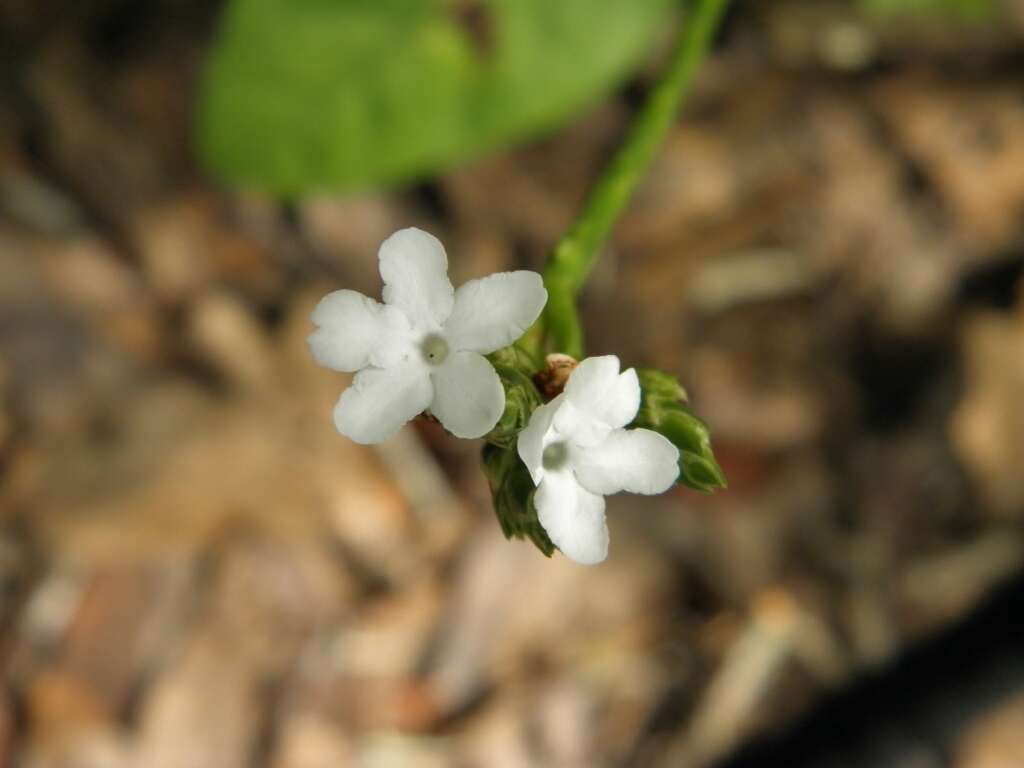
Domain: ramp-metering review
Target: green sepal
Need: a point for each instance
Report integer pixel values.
(512, 490)
(660, 388)
(663, 409)
(517, 357)
(515, 369)
(512, 487)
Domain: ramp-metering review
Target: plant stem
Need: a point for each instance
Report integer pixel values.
(575, 254)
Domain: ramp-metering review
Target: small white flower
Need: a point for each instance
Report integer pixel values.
(577, 452)
(423, 347)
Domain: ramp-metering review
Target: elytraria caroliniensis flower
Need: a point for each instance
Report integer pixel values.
(424, 347)
(577, 451)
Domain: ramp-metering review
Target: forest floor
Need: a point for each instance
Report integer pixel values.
(198, 572)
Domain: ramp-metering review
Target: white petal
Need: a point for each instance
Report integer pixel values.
(414, 267)
(573, 518)
(598, 389)
(634, 460)
(494, 311)
(381, 400)
(531, 441)
(355, 331)
(468, 396)
(579, 426)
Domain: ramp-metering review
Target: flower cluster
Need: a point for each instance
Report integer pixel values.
(577, 451)
(423, 350)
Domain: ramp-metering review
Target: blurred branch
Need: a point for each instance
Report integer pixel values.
(574, 256)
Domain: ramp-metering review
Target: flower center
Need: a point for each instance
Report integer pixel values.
(555, 456)
(434, 349)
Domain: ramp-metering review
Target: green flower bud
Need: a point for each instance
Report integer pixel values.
(660, 387)
(663, 409)
(688, 433)
(700, 473)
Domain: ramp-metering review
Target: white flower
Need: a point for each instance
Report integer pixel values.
(423, 347)
(577, 451)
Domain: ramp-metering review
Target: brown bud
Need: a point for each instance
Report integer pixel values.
(551, 381)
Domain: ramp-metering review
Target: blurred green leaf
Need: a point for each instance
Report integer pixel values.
(966, 9)
(340, 94)
(663, 409)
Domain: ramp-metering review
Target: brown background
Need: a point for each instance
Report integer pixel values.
(198, 572)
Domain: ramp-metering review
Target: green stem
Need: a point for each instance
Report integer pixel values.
(574, 256)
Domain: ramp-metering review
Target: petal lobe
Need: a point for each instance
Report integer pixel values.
(573, 518)
(634, 460)
(598, 389)
(381, 400)
(414, 267)
(494, 311)
(468, 396)
(354, 331)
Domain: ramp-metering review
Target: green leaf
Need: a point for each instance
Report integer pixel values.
(663, 409)
(977, 10)
(342, 94)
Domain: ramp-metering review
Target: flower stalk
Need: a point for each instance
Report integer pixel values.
(575, 254)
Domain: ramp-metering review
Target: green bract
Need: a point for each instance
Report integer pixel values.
(663, 409)
(342, 94)
(514, 369)
(511, 486)
(512, 491)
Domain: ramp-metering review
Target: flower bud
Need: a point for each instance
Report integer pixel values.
(663, 409)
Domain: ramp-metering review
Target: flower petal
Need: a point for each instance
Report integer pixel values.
(579, 426)
(634, 460)
(598, 389)
(414, 267)
(530, 443)
(573, 518)
(494, 311)
(468, 396)
(381, 400)
(355, 331)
